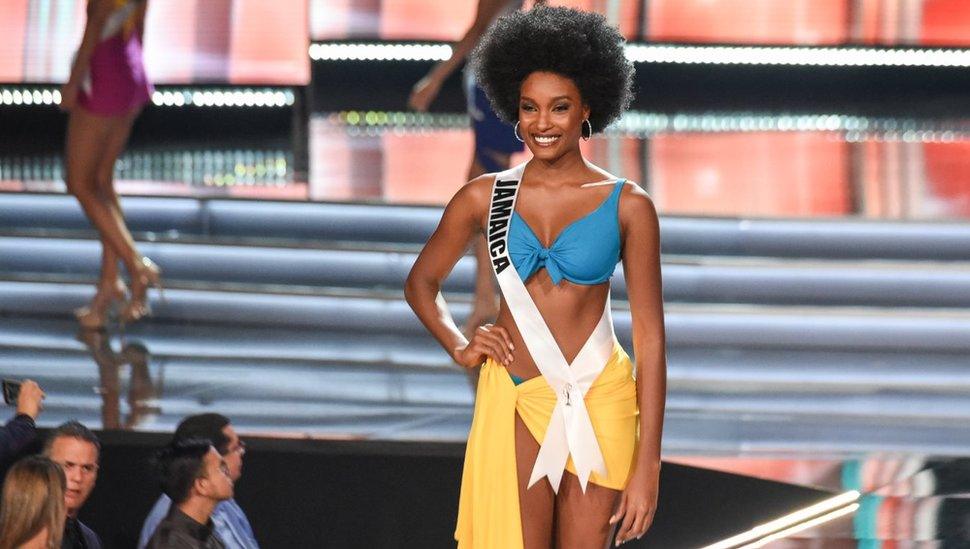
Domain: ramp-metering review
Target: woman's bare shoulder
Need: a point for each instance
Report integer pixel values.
(635, 203)
(477, 192)
(472, 199)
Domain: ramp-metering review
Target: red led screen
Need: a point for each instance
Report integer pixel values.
(186, 41)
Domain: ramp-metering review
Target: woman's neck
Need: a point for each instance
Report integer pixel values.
(565, 170)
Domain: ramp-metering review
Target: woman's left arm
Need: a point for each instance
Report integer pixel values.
(640, 230)
(97, 13)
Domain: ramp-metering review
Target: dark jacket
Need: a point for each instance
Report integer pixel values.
(78, 536)
(180, 531)
(17, 433)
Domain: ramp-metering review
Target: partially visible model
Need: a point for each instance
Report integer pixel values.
(104, 94)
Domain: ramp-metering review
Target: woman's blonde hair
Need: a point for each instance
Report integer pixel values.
(33, 499)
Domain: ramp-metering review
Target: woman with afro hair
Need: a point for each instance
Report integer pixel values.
(564, 447)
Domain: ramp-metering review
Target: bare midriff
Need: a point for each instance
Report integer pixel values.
(570, 310)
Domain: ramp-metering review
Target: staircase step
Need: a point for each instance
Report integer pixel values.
(344, 222)
(701, 281)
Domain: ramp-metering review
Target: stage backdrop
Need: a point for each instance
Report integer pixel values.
(776, 22)
(186, 41)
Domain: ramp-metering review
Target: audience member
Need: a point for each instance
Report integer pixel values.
(19, 431)
(196, 478)
(231, 525)
(32, 511)
(77, 450)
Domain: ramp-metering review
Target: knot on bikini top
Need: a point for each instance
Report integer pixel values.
(585, 252)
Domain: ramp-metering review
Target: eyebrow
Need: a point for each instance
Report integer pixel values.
(526, 98)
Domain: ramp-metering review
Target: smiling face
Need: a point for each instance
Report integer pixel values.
(551, 114)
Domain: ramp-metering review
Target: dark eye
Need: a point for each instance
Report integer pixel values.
(562, 107)
(527, 107)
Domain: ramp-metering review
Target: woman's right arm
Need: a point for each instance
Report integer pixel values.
(461, 221)
(97, 13)
(425, 91)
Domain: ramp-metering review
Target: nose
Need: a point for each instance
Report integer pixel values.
(545, 120)
(74, 478)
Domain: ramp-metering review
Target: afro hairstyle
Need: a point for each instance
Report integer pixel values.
(579, 45)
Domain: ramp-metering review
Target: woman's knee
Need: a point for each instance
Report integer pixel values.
(104, 184)
(92, 189)
(82, 188)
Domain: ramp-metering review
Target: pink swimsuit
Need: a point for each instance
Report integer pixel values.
(116, 83)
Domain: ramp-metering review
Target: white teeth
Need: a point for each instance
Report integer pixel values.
(546, 140)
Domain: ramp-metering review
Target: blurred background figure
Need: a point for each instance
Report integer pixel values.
(230, 522)
(141, 389)
(106, 90)
(77, 450)
(22, 429)
(32, 511)
(495, 141)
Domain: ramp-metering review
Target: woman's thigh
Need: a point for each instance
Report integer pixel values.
(114, 144)
(536, 504)
(583, 519)
(86, 138)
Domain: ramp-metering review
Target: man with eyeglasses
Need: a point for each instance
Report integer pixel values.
(77, 450)
(230, 522)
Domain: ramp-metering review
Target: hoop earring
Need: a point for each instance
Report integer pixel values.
(583, 134)
(515, 130)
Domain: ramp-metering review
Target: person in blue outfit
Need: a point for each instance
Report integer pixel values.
(231, 525)
(495, 140)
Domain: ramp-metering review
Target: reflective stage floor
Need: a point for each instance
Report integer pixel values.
(875, 483)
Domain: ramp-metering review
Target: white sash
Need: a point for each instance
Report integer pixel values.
(570, 430)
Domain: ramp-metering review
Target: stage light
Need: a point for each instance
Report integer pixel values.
(682, 54)
(827, 509)
(643, 125)
(379, 52)
(803, 526)
(807, 56)
(226, 97)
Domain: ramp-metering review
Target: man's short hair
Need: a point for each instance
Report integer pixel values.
(204, 426)
(72, 429)
(179, 464)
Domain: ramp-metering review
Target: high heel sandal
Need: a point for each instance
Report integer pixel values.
(107, 301)
(148, 275)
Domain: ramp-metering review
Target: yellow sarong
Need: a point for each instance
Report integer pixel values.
(488, 510)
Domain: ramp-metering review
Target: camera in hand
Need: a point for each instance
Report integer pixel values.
(11, 391)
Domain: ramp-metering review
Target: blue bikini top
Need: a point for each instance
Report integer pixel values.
(585, 252)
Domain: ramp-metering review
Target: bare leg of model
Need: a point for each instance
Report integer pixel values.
(87, 137)
(583, 520)
(536, 504)
(104, 180)
(149, 274)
